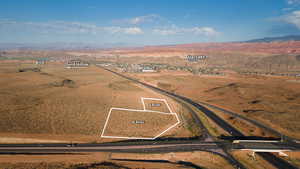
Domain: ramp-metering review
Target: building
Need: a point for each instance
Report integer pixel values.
(195, 58)
(40, 62)
(76, 63)
(148, 70)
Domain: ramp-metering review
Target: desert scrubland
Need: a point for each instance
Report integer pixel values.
(274, 101)
(116, 161)
(52, 103)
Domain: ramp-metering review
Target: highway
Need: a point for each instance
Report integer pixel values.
(163, 146)
(276, 161)
(256, 123)
(67, 148)
(142, 147)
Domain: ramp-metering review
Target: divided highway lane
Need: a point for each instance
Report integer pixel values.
(152, 147)
(72, 148)
(276, 161)
(256, 123)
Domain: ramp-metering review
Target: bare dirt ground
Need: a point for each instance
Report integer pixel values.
(255, 162)
(293, 157)
(202, 48)
(65, 104)
(123, 123)
(247, 128)
(156, 105)
(274, 101)
(200, 159)
(115, 161)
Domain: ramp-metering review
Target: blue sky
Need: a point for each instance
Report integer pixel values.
(146, 22)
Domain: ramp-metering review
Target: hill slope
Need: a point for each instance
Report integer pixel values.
(277, 39)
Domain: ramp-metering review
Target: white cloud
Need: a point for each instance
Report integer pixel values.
(64, 27)
(6, 22)
(207, 31)
(293, 2)
(53, 26)
(142, 19)
(292, 18)
(139, 19)
(173, 30)
(125, 30)
(287, 9)
(133, 31)
(165, 32)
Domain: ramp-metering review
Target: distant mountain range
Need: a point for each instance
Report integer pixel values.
(90, 46)
(60, 46)
(276, 39)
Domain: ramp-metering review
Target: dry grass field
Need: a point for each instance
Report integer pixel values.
(274, 101)
(156, 105)
(114, 161)
(198, 159)
(54, 103)
(122, 123)
(256, 162)
(247, 128)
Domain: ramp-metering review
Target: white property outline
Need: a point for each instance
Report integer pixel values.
(164, 100)
(151, 111)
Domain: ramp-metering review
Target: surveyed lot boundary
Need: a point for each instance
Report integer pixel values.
(143, 99)
(169, 113)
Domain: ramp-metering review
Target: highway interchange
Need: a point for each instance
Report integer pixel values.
(207, 143)
(276, 161)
